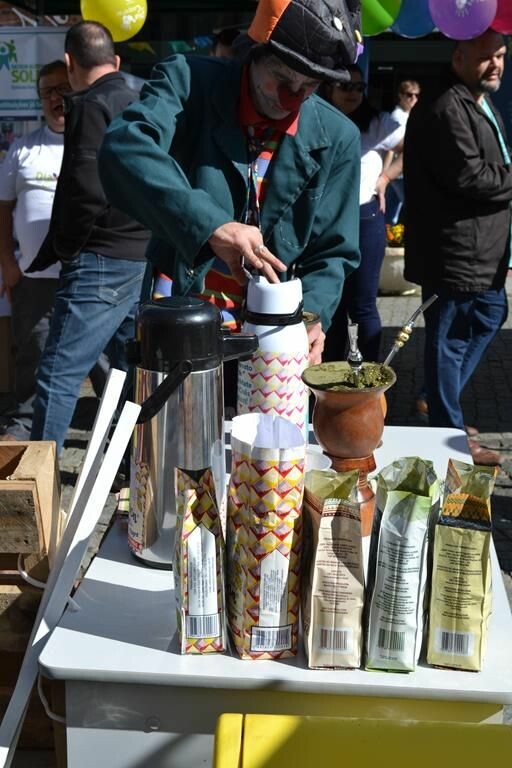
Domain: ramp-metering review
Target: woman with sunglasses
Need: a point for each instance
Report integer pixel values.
(407, 97)
(379, 134)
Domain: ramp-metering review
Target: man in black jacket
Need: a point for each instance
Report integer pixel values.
(458, 193)
(102, 249)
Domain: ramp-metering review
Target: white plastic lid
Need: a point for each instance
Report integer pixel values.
(273, 298)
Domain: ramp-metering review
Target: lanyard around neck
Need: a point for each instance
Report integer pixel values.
(256, 145)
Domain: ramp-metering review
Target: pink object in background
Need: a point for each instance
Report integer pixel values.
(503, 19)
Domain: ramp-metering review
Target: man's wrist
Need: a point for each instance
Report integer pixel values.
(7, 259)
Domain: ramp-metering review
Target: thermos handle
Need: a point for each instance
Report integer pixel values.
(238, 346)
(162, 393)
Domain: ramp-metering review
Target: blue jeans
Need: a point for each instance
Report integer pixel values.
(458, 329)
(359, 298)
(95, 305)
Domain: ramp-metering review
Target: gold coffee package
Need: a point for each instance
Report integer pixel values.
(198, 564)
(407, 501)
(333, 576)
(460, 600)
(264, 535)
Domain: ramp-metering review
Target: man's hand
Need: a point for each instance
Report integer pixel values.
(11, 275)
(241, 244)
(316, 338)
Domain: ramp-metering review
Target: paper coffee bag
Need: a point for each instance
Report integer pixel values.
(333, 577)
(264, 535)
(198, 564)
(407, 499)
(460, 600)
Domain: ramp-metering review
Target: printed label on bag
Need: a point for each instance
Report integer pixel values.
(273, 590)
(202, 583)
(271, 638)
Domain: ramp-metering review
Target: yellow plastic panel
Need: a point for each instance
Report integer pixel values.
(228, 741)
(281, 741)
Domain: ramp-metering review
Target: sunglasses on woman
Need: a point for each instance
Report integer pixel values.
(349, 87)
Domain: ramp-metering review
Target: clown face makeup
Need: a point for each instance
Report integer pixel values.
(276, 89)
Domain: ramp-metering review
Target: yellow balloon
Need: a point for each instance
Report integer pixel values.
(123, 18)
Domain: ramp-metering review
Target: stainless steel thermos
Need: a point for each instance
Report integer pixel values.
(179, 349)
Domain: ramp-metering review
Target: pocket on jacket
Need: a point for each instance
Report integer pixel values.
(296, 224)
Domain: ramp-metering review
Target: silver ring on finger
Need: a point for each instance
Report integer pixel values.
(259, 249)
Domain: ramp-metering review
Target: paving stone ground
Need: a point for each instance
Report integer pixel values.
(487, 402)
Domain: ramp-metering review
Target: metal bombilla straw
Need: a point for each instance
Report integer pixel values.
(354, 358)
(406, 330)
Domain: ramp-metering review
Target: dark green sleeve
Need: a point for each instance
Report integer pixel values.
(142, 179)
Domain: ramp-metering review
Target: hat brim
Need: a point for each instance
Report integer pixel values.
(306, 67)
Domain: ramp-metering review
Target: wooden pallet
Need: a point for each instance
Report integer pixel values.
(19, 603)
(18, 607)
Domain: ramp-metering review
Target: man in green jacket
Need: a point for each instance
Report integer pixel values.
(239, 165)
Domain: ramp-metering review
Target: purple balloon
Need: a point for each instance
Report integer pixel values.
(463, 19)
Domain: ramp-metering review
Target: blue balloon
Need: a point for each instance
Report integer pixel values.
(414, 19)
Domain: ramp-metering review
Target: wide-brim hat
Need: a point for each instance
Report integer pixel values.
(318, 38)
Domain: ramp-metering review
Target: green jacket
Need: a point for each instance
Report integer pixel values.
(177, 161)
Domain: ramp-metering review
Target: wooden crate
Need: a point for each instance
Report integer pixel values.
(30, 517)
(30, 526)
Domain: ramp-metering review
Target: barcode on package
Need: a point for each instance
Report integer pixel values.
(203, 626)
(336, 640)
(271, 638)
(390, 640)
(455, 643)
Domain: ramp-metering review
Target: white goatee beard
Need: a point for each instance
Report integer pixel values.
(488, 87)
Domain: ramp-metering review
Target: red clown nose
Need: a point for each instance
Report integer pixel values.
(289, 100)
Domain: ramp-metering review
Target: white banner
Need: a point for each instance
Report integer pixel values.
(22, 54)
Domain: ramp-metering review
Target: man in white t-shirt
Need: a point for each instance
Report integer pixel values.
(28, 177)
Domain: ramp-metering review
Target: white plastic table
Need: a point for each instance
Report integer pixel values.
(132, 700)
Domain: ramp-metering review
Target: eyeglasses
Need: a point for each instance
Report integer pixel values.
(349, 87)
(60, 89)
(411, 94)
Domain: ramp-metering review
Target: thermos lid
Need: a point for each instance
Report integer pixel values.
(178, 328)
(273, 303)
